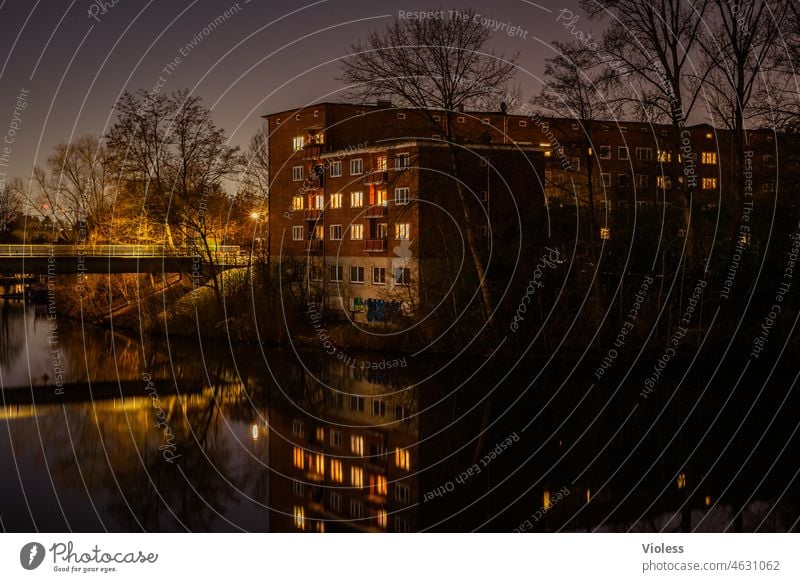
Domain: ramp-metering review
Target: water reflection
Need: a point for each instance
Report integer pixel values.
(270, 440)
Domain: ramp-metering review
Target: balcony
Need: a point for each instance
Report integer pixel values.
(375, 177)
(314, 246)
(313, 151)
(376, 211)
(375, 245)
(313, 214)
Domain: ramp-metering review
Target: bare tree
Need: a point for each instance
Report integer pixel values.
(172, 159)
(575, 85)
(437, 66)
(73, 192)
(742, 56)
(10, 209)
(657, 44)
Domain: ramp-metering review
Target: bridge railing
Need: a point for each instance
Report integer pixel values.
(230, 254)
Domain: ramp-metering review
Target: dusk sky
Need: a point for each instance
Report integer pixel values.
(75, 58)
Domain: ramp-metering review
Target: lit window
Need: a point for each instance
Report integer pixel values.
(664, 156)
(383, 228)
(356, 476)
(319, 232)
(357, 445)
(336, 471)
(297, 203)
(299, 517)
(402, 276)
(336, 200)
(337, 274)
(709, 183)
(336, 169)
(402, 231)
(297, 233)
(299, 458)
(357, 232)
(383, 518)
(297, 173)
(622, 153)
(401, 161)
(336, 232)
(378, 276)
(298, 143)
(319, 464)
(401, 196)
(709, 136)
(378, 485)
(709, 158)
(356, 276)
(402, 458)
(664, 182)
(320, 434)
(381, 164)
(319, 202)
(382, 198)
(546, 503)
(356, 167)
(605, 233)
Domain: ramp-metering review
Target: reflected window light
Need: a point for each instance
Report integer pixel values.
(378, 485)
(320, 527)
(299, 517)
(681, 481)
(357, 445)
(320, 434)
(255, 432)
(588, 496)
(402, 458)
(708, 500)
(383, 518)
(356, 477)
(336, 470)
(299, 458)
(605, 233)
(320, 464)
(546, 500)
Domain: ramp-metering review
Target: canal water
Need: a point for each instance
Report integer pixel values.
(106, 431)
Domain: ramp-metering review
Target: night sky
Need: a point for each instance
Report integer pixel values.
(75, 58)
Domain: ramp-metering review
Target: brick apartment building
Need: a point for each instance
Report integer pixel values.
(362, 201)
(362, 196)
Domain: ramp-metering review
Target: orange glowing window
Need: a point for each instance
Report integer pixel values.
(402, 458)
(383, 518)
(336, 470)
(319, 463)
(299, 459)
(356, 477)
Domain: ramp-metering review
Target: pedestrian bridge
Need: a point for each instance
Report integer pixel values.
(29, 259)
